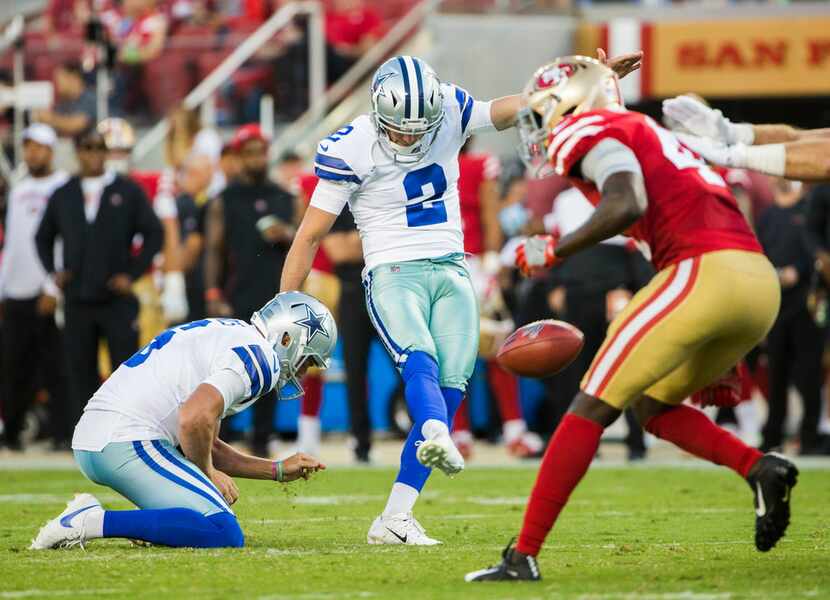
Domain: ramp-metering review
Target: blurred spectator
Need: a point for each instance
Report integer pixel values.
(97, 214)
(194, 182)
(249, 228)
(75, 110)
(186, 138)
(228, 171)
(139, 37)
(478, 189)
(31, 351)
(352, 27)
(796, 341)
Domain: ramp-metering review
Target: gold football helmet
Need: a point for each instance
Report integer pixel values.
(564, 86)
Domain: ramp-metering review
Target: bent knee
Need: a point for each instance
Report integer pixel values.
(228, 532)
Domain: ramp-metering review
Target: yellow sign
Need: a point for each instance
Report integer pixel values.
(738, 58)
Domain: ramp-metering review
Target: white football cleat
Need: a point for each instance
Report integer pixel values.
(67, 529)
(439, 452)
(401, 528)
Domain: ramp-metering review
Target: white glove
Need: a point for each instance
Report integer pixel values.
(715, 152)
(689, 115)
(174, 297)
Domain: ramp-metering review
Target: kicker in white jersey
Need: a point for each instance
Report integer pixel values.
(404, 211)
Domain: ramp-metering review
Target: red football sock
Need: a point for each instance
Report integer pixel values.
(691, 430)
(505, 387)
(461, 421)
(313, 397)
(566, 460)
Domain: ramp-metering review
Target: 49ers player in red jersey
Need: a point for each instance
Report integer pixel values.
(714, 297)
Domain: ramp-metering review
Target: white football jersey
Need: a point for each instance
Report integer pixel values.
(403, 211)
(141, 399)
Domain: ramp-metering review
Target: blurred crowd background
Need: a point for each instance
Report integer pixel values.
(157, 159)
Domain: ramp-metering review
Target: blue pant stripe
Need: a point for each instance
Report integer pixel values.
(142, 454)
(396, 351)
(195, 473)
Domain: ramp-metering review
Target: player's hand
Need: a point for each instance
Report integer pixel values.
(726, 392)
(715, 152)
(226, 485)
(535, 253)
(300, 465)
(62, 278)
(219, 308)
(121, 284)
(690, 115)
(621, 65)
(46, 305)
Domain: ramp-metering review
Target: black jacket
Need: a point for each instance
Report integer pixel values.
(94, 252)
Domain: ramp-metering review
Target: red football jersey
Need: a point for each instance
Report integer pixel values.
(322, 262)
(473, 171)
(690, 208)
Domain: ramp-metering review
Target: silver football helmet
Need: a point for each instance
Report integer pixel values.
(301, 329)
(407, 99)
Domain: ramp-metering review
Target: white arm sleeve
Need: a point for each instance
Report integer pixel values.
(230, 384)
(331, 197)
(609, 156)
(480, 118)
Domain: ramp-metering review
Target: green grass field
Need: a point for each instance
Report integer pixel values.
(629, 533)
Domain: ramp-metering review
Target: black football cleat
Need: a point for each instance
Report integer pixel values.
(514, 566)
(771, 479)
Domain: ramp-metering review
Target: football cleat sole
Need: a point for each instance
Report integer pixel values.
(433, 455)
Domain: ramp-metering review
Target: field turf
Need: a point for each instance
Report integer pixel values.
(629, 533)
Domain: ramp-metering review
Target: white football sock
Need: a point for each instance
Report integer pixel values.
(513, 430)
(94, 523)
(402, 499)
(308, 434)
(433, 428)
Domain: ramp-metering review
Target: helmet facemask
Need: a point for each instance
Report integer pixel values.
(569, 85)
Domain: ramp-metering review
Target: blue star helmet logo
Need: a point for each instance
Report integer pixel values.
(377, 85)
(313, 323)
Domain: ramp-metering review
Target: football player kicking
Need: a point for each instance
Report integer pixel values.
(173, 392)
(714, 297)
(778, 150)
(397, 169)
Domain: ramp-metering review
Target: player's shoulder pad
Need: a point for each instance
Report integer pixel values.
(575, 135)
(346, 155)
(255, 361)
(458, 106)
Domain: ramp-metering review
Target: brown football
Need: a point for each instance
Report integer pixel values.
(540, 349)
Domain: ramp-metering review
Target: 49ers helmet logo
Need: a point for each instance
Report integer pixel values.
(554, 75)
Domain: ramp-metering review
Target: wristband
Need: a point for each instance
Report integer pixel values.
(277, 472)
(769, 158)
(742, 133)
(212, 294)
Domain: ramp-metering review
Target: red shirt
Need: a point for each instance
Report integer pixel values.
(690, 208)
(322, 262)
(473, 171)
(348, 28)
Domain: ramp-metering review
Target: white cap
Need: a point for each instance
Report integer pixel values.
(40, 133)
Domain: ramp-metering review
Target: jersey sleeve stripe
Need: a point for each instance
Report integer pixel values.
(407, 109)
(420, 88)
(560, 136)
(324, 173)
(253, 375)
(461, 97)
(466, 114)
(332, 161)
(264, 367)
(568, 146)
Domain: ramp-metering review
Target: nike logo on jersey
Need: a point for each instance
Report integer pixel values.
(393, 532)
(761, 510)
(67, 520)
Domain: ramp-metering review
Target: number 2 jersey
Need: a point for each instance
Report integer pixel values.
(141, 399)
(403, 211)
(690, 210)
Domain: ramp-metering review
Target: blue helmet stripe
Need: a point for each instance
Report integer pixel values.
(407, 111)
(420, 88)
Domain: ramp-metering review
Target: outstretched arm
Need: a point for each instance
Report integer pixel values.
(315, 225)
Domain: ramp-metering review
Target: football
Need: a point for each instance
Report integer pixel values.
(541, 349)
